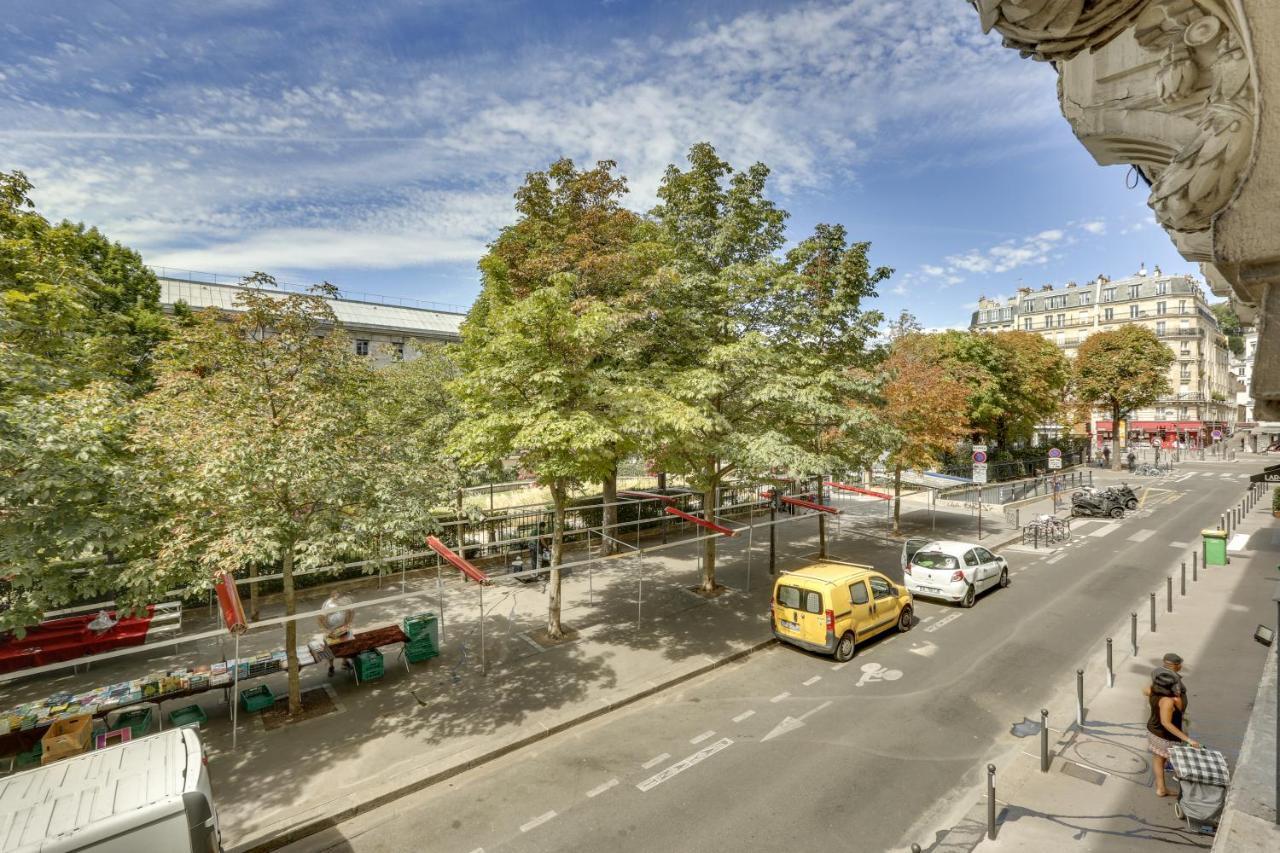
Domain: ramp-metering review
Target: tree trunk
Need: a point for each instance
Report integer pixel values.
(897, 499)
(609, 492)
(559, 496)
(291, 632)
(1116, 463)
(662, 481)
(253, 593)
(822, 525)
(709, 544)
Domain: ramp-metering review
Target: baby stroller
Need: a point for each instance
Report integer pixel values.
(1203, 778)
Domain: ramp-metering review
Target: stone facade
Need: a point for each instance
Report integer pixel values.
(1177, 88)
(1203, 396)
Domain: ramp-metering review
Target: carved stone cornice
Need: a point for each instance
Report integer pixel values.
(1054, 30)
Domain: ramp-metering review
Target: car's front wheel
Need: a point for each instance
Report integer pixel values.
(1132, 504)
(1117, 512)
(906, 620)
(1004, 578)
(969, 597)
(844, 648)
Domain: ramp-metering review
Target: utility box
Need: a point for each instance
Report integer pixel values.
(1215, 547)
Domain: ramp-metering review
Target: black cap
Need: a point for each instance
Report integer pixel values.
(1172, 657)
(1166, 679)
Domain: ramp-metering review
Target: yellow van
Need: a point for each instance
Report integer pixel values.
(830, 607)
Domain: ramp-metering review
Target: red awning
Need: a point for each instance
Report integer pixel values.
(1158, 426)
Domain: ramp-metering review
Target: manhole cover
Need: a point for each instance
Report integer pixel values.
(1111, 757)
(1080, 772)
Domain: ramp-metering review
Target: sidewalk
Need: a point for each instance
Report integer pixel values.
(1099, 789)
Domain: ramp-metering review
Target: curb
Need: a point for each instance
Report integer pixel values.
(312, 827)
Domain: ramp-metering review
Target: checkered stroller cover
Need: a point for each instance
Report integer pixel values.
(1203, 778)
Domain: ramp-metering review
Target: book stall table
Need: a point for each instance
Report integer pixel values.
(369, 641)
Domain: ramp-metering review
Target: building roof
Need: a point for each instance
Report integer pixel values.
(353, 314)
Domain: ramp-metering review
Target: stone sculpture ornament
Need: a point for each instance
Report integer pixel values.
(1052, 30)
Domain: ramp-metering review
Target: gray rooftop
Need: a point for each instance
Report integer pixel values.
(352, 314)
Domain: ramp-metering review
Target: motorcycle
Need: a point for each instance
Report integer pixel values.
(1099, 504)
(1126, 495)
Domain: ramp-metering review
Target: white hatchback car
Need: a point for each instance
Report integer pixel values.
(951, 570)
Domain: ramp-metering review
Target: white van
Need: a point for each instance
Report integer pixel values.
(149, 794)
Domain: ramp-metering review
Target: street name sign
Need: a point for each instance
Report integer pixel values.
(1055, 463)
(980, 471)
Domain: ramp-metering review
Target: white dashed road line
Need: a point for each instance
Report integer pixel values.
(812, 681)
(945, 620)
(697, 739)
(744, 715)
(1178, 545)
(684, 764)
(779, 697)
(656, 760)
(600, 789)
(1055, 559)
(839, 666)
(1105, 529)
(1142, 536)
(537, 821)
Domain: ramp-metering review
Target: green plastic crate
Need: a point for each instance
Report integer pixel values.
(422, 625)
(137, 721)
(30, 758)
(369, 665)
(189, 715)
(257, 698)
(420, 650)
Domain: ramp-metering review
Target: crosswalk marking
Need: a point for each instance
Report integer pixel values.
(1105, 529)
(1142, 536)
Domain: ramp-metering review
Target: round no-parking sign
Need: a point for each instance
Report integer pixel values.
(1055, 453)
(979, 456)
(1217, 433)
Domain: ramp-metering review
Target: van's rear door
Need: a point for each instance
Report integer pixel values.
(798, 613)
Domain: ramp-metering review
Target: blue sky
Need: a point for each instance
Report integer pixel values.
(378, 145)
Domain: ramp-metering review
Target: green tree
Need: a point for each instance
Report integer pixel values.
(572, 222)
(816, 319)
(532, 386)
(1119, 371)
(78, 319)
(1230, 325)
(260, 445)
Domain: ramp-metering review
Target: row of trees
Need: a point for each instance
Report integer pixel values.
(139, 454)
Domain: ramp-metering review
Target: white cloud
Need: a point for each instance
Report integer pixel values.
(1096, 227)
(320, 162)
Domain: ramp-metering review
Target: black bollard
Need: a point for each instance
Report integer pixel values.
(1195, 566)
(1044, 741)
(1184, 578)
(1133, 630)
(1080, 698)
(1168, 594)
(1111, 670)
(1153, 612)
(991, 802)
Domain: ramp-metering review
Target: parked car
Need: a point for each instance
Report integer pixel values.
(951, 570)
(830, 607)
(147, 794)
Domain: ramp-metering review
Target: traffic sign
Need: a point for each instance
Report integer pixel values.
(979, 457)
(1217, 434)
(1055, 453)
(1266, 477)
(979, 472)
(1155, 442)
(1055, 462)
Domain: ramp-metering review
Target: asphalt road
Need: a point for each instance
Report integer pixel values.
(789, 749)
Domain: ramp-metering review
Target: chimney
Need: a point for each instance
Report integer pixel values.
(1142, 269)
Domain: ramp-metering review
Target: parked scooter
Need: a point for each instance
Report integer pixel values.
(1098, 504)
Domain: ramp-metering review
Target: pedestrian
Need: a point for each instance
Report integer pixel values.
(1172, 662)
(1106, 457)
(1132, 460)
(336, 618)
(1164, 724)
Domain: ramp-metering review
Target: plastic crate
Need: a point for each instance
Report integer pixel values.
(137, 721)
(190, 715)
(422, 624)
(369, 665)
(420, 650)
(31, 757)
(257, 698)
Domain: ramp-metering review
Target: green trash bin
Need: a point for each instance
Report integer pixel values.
(1215, 547)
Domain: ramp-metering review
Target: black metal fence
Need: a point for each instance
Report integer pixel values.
(1034, 487)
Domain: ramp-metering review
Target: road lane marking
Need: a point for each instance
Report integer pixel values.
(656, 760)
(1105, 529)
(1142, 536)
(779, 697)
(684, 764)
(950, 617)
(790, 724)
(840, 666)
(1178, 545)
(600, 789)
(697, 739)
(926, 618)
(812, 681)
(744, 715)
(928, 649)
(1056, 559)
(537, 821)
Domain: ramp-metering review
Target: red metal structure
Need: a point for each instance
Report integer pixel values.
(229, 603)
(801, 502)
(845, 487)
(702, 522)
(459, 563)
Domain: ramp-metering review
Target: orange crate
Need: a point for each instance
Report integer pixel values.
(66, 737)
